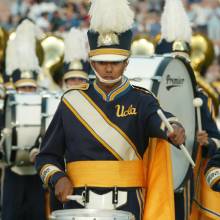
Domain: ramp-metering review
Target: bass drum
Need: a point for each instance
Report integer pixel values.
(172, 81)
(91, 214)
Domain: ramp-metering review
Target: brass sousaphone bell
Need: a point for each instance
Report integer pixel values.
(53, 49)
(142, 45)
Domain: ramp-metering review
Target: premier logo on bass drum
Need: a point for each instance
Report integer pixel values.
(173, 82)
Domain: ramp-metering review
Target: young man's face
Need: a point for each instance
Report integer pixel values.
(74, 81)
(26, 89)
(109, 70)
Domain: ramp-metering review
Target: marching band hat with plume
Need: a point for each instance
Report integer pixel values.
(110, 32)
(21, 60)
(75, 55)
(176, 31)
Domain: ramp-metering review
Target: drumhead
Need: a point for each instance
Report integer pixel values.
(91, 214)
(172, 81)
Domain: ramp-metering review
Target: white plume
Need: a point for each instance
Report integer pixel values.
(11, 57)
(25, 46)
(175, 24)
(110, 16)
(75, 46)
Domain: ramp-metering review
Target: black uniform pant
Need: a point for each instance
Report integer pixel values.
(183, 200)
(54, 202)
(23, 197)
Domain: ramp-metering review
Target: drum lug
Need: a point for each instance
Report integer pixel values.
(115, 196)
(85, 196)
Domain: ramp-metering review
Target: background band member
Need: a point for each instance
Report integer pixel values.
(76, 67)
(208, 139)
(23, 194)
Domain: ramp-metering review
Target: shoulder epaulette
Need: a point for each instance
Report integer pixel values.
(143, 90)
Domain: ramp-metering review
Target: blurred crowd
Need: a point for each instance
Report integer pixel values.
(61, 15)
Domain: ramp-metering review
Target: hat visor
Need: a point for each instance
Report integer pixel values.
(108, 58)
(75, 74)
(24, 83)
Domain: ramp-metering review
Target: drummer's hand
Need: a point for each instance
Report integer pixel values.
(177, 137)
(63, 188)
(202, 138)
(33, 154)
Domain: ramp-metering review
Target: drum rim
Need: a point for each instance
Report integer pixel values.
(62, 211)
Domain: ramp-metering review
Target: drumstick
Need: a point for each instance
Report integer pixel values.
(170, 129)
(75, 197)
(197, 102)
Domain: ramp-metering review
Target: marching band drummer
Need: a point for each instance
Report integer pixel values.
(23, 194)
(104, 131)
(76, 67)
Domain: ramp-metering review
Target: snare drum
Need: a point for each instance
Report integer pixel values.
(23, 118)
(172, 81)
(50, 102)
(91, 214)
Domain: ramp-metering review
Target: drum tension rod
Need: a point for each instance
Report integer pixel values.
(115, 196)
(85, 195)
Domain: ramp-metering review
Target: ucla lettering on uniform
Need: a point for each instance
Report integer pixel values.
(121, 111)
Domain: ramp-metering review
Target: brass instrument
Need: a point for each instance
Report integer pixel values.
(53, 48)
(210, 91)
(202, 52)
(202, 55)
(142, 45)
(3, 43)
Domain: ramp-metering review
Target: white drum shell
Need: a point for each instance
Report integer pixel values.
(91, 214)
(23, 113)
(50, 102)
(171, 82)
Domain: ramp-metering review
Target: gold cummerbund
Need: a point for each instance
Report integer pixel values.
(106, 173)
